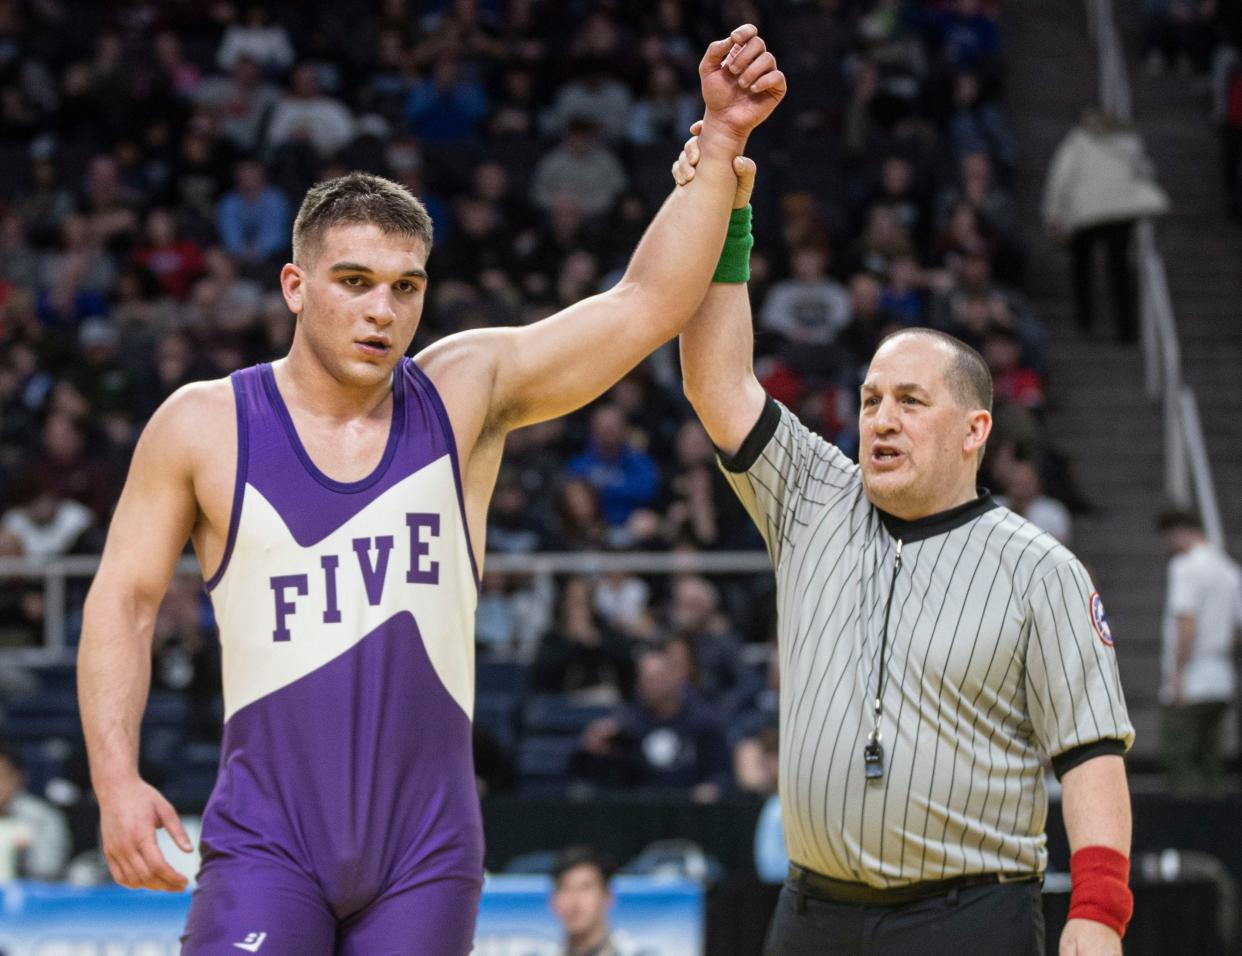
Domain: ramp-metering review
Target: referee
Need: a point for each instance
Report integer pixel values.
(935, 649)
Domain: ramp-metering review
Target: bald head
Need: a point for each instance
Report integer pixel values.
(923, 423)
(965, 371)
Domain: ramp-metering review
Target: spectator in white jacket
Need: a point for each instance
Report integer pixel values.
(810, 308)
(593, 93)
(32, 828)
(1099, 185)
(265, 43)
(46, 524)
(307, 114)
(581, 169)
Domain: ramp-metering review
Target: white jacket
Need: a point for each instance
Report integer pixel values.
(1098, 179)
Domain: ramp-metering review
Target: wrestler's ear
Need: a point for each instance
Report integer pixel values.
(292, 287)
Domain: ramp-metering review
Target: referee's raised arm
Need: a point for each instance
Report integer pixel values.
(717, 347)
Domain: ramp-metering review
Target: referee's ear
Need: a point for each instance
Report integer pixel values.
(980, 423)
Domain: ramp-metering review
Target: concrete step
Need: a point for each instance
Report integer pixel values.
(1146, 723)
(1100, 415)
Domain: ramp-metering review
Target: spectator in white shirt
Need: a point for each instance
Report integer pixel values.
(1202, 615)
(593, 93)
(581, 169)
(266, 43)
(46, 524)
(37, 831)
(809, 308)
(306, 114)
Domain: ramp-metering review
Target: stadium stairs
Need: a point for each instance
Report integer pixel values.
(1101, 416)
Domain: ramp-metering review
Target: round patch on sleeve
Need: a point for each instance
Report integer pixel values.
(1099, 621)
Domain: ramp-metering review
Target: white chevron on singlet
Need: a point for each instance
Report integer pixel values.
(255, 665)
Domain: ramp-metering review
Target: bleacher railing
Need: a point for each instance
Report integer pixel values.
(55, 575)
(1188, 475)
(1187, 469)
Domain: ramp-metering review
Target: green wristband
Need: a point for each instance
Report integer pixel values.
(734, 264)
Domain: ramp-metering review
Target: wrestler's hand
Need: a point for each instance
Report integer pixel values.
(740, 82)
(743, 167)
(129, 815)
(1085, 937)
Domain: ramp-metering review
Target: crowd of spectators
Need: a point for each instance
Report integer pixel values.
(1202, 39)
(1225, 86)
(155, 154)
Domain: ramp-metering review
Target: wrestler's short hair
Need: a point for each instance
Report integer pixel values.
(357, 199)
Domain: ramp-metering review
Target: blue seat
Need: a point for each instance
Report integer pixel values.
(543, 759)
(192, 775)
(58, 677)
(160, 744)
(536, 863)
(49, 715)
(165, 723)
(189, 788)
(25, 728)
(43, 763)
(500, 676)
(496, 713)
(555, 714)
(49, 703)
(199, 753)
(166, 708)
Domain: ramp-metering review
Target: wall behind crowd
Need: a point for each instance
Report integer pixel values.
(155, 155)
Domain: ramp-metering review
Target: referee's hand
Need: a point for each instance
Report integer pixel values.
(743, 167)
(1084, 937)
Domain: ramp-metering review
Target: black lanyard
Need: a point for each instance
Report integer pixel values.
(873, 751)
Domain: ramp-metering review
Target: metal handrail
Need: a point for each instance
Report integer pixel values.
(538, 562)
(1205, 487)
(1114, 85)
(1163, 360)
(57, 573)
(1187, 468)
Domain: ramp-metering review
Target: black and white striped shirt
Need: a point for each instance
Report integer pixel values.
(998, 655)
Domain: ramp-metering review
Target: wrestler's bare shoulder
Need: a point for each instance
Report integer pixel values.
(192, 440)
(200, 416)
(463, 368)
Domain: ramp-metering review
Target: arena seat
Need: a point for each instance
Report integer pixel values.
(45, 716)
(556, 714)
(495, 712)
(543, 761)
(504, 676)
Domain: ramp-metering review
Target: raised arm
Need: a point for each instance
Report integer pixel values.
(154, 517)
(717, 347)
(554, 366)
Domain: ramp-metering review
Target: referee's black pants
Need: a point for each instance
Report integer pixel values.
(1003, 919)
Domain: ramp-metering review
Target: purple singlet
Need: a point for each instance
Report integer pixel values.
(345, 818)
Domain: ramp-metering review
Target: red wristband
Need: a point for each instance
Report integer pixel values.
(1100, 891)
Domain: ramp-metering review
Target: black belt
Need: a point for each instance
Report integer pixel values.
(820, 887)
